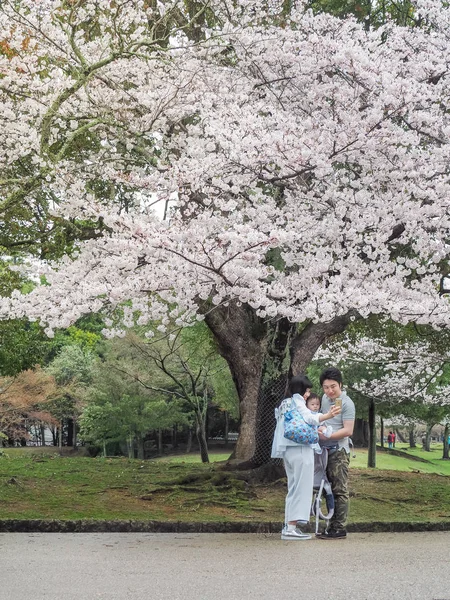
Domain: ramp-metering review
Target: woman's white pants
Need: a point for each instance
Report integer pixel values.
(299, 465)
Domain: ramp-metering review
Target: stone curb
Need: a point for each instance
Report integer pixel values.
(86, 526)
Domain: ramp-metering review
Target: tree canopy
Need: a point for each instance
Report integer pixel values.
(301, 160)
(308, 159)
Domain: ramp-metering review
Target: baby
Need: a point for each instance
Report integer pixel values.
(313, 403)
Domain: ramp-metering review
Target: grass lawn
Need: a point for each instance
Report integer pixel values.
(397, 463)
(37, 485)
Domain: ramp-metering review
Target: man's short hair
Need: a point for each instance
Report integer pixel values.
(331, 373)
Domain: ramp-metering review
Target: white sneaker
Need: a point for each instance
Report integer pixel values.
(294, 534)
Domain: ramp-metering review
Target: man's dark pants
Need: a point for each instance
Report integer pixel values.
(337, 472)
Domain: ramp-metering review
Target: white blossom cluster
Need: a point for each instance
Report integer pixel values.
(309, 160)
(410, 371)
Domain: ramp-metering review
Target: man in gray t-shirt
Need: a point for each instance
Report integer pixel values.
(338, 449)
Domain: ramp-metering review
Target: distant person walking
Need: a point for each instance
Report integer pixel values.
(390, 439)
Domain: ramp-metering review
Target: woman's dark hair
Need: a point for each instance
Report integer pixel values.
(331, 373)
(299, 384)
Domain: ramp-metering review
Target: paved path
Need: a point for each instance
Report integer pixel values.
(139, 566)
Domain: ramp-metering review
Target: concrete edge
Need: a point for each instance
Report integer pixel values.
(88, 526)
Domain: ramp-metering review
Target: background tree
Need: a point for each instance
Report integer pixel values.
(121, 410)
(24, 400)
(72, 370)
(184, 364)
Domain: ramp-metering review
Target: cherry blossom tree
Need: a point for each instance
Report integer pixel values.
(305, 159)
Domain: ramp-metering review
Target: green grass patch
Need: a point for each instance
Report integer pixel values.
(388, 461)
(38, 485)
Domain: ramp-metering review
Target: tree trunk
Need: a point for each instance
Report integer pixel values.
(372, 454)
(360, 435)
(140, 446)
(241, 338)
(412, 436)
(445, 454)
(427, 445)
(200, 431)
(174, 438)
(306, 343)
(70, 429)
(400, 436)
(256, 354)
(130, 448)
(74, 433)
(42, 428)
(159, 442)
(189, 441)
(60, 441)
(382, 432)
(272, 390)
(227, 428)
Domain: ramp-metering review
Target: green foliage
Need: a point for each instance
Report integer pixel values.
(72, 366)
(119, 408)
(372, 13)
(101, 423)
(83, 338)
(22, 346)
(62, 407)
(73, 371)
(225, 394)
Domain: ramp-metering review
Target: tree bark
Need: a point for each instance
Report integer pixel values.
(241, 339)
(360, 435)
(140, 446)
(445, 453)
(272, 390)
(412, 436)
(372, 454)
(427, 445)
(382, 432)
(159, 441)
(306, 342)
(70, 430)
(75, 434)
(189, 441)
(400, 436)
(174, 438)
(130, 447)
(227, 428)
(201, 437)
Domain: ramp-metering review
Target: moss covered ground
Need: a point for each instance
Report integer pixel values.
(44, 485)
